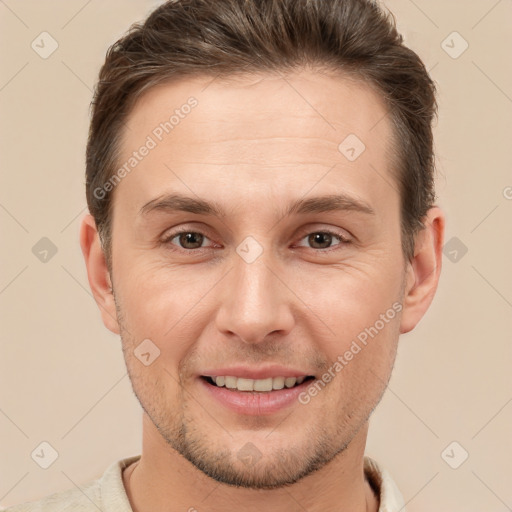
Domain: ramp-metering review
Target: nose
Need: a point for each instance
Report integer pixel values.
(256, 302)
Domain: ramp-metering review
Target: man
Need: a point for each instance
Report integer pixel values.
(262, 230)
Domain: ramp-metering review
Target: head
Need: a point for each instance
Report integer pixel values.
(291, 143)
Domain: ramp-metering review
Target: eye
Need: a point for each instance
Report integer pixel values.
(187, 240)
(193, 240)
(319, 240)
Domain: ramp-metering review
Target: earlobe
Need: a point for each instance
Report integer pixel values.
(423, 270)
(97, 273)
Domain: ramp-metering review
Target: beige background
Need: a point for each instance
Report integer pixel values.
(62, 376)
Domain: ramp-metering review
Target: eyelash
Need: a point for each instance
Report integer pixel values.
(342, 240)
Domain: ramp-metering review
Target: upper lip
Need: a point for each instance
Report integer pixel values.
(246, 372)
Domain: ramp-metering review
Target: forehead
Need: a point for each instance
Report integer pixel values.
(257, 130)
(298, 103)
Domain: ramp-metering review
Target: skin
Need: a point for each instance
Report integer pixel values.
(253, 145)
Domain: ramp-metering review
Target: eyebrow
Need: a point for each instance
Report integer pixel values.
(319, 204)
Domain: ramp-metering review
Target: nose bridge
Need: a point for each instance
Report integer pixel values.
(255, 303)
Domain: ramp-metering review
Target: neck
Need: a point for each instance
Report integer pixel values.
(162, 477)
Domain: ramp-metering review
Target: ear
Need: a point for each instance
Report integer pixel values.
(97, 272)
(422, 274)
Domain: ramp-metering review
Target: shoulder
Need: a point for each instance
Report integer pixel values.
(391, 499)
(69, 500)
(106, 493)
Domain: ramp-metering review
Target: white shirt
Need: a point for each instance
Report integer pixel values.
(108, 494)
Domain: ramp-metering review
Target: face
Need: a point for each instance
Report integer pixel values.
(248, 243)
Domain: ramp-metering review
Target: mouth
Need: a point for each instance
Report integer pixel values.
(267, 385)
(255, 397)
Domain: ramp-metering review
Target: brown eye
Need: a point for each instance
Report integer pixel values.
(188, 240)
(191, 240)
(319, 240)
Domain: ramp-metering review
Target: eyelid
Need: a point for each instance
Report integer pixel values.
(343, 234)
(343, 239)
(172, 234)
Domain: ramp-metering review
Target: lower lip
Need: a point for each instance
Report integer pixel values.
(255, 403)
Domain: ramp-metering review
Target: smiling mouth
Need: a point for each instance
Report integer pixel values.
(256, 385)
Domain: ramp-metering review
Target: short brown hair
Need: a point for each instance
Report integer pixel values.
(226, 37)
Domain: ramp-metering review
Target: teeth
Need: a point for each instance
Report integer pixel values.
(245, 384)
(257, 384)
(263, 384)
(278, 383)
(230, 382)
(289, 382)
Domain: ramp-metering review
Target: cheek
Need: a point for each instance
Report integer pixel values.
(164, 304)
(149, 290)
(361, 360)
(363, 345)
(359, 308)
(351, 296)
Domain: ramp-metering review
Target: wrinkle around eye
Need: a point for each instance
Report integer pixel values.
(342, 240)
